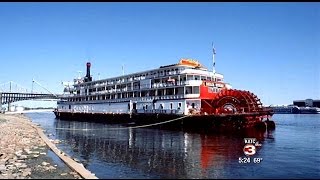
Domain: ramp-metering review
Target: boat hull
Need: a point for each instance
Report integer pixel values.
(169, 121)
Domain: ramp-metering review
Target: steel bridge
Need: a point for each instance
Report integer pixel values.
(12, 92)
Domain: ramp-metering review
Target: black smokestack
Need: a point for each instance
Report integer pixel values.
(88, 77)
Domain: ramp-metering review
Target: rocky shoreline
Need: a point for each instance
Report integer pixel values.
(24, 155)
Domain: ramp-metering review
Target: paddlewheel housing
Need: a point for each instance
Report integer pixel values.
(234, 102)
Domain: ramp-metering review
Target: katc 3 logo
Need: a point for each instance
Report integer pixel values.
(249, 149)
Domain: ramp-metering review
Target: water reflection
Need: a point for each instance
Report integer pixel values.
(153, 152)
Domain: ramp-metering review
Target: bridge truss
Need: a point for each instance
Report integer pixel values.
(12, 92)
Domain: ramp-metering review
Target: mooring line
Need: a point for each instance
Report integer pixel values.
(132, 127)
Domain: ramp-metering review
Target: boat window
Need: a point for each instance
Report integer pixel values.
(169, 91)
(188, 90)
(183, 78)
(171, 104)
(143, 93)
(179, 105)
(160, 92)
(179, 90)
(152, 93)
(195, 89)
(189, 77)
(196, 77)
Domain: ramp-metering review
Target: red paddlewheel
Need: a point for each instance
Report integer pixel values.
(236, 101)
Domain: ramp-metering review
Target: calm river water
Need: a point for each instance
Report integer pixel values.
(292, 150)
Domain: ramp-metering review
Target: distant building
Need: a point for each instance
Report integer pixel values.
(307, 103)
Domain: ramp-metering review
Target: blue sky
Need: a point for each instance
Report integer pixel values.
(270, 49)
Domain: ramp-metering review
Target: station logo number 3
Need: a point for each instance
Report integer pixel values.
(249, 149)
